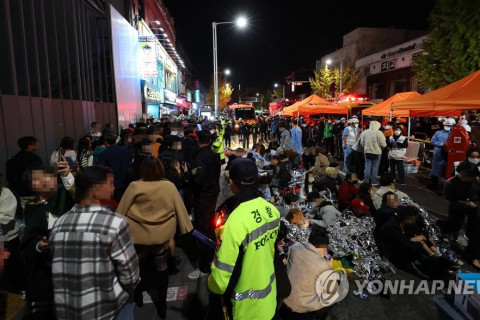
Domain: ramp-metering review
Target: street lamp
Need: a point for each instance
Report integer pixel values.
(227, 72)
(240, 22)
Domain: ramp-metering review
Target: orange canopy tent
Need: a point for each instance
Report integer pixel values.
(460, 95)
(314, 105)
(384, 108)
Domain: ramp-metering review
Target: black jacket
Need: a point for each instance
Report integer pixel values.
(395, 245)
(383, 215)
(460, 193)
(205, 175)
(281, 173)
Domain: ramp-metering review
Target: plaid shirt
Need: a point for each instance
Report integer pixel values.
(94, 263)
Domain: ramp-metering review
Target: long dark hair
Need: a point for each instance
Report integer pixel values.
(83, 145)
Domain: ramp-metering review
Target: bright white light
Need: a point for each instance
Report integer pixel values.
(161, 29)
(258, 94)
(168, 40)
(241, 22)
(227, 72)
(329, 61)
(157, 22)
(275, 85)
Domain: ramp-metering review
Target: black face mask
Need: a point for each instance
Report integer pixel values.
(354, 181)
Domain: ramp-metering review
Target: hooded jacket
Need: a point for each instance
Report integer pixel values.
(373, 140)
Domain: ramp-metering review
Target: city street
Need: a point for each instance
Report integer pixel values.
(187, 299)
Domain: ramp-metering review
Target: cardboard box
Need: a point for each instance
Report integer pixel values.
(467, 299)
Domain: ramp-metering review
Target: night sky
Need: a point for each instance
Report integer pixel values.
(281, 35)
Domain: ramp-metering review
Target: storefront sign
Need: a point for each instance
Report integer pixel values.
(152, 95)
(399, 50)
(148, 56)
(170, 97)
(197, 96)
(388, 65)
(180, 102)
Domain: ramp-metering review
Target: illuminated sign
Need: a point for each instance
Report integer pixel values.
(148, 56)
(197, 95)
(170, 97)
(152, 95)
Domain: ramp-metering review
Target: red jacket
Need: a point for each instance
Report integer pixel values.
(346, 193)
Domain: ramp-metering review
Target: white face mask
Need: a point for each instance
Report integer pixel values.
(398, 132)
(356, 125)
(311, 179)
(387, 127)
(474, 160)
(329, 121)
(446, 128)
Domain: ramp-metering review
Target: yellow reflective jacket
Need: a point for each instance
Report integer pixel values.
(217, 145)
(252, 229)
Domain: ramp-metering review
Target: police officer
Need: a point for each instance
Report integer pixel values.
(204, 183)
(218, 131)
(243, 270)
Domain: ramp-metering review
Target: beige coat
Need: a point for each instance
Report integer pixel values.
(305, 265)
(321, 164)
(373, 140)
(154, 210)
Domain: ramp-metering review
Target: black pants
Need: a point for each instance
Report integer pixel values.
(329, 145)
(228, 140)
(204, 214)
(246, 140)
(359, 164)
(13, 278)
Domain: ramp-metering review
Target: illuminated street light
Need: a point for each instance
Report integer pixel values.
(241, 23)
(275, 85)
(227, 72)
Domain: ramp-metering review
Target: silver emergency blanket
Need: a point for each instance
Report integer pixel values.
(295, 232)
(350, 235)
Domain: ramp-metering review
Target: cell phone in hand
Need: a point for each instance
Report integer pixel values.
(72, 163)
(60, 153)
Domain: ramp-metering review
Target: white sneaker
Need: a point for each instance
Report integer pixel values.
(195, 274)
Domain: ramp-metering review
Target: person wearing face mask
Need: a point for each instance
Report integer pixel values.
(397, 145)
(439, 159)
(328, 135)
(387, 131)
(309, 180)
(350, 136)
(473, 156)
(347, 191)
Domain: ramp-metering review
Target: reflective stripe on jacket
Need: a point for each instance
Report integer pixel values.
(252, 229)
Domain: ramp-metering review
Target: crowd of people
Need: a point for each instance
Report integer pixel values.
(101, 219)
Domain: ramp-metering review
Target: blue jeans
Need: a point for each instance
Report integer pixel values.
(401, 171)
(372, 161)
(126, 313)
(348, 159)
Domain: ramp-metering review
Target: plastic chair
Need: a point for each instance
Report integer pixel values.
(412, 152)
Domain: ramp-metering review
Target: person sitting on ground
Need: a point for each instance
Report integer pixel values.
(308, 185)
(347, 191)
(387, 210)
(281, 175)
(358, 208)
(407, 252)
(290, 199)
(366, 193)
(386, 184)
(265, 188)
(323, 212)
(330, 180)
(321, 164)
(309, 268)
(297, 225)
